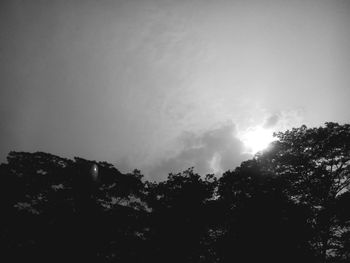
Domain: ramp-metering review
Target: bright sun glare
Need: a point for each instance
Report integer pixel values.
(257, 139)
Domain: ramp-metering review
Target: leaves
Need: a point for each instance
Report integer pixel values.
(287, 204)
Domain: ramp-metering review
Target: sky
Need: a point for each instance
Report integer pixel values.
(164, 85)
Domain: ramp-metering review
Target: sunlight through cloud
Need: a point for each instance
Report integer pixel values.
(256, 139)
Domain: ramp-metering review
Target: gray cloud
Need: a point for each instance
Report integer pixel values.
(213, 151)
(271, 121)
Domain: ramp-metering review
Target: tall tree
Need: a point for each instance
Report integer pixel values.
(178, 215)
(260, 223)
(316, 163)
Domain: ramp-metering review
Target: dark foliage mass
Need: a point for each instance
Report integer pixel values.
(290, 203)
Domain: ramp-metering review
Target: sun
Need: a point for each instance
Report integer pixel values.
(256, 139)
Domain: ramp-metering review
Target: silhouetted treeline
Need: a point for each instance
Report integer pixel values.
(290, 203)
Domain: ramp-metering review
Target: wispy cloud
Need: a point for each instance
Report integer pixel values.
(213, 151)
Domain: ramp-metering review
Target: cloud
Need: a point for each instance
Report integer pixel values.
(212, 151)
(271, 121)
(287, 119)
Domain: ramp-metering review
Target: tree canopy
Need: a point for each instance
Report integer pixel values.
(289, 203)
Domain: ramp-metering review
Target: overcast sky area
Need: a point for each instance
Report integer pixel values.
(163, 85)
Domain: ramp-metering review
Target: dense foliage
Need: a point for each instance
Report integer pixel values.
(290, 203)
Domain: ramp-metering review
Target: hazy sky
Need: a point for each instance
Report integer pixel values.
(162, 85)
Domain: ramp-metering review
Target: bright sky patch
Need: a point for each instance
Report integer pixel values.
(257, 139)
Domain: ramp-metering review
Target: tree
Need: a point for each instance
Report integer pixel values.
(316, 163)
(260, 223)
(178, 215)
(50, 206)
(290, 203)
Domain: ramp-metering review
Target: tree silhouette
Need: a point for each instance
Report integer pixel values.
(290, 203)
(316, 162)
(260, 221)
(52, 207)
(178, 215)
